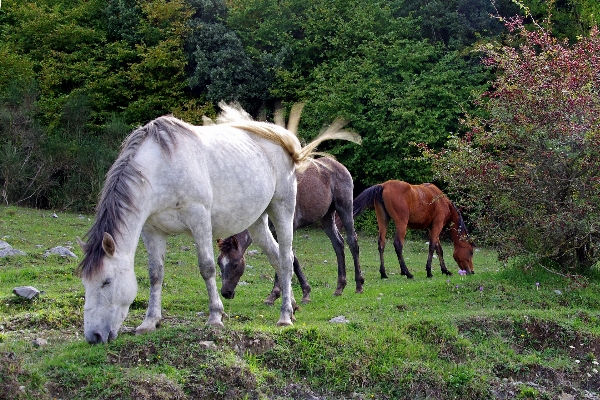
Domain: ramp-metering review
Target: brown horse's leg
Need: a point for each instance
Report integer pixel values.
(432, 247)
(338, 246)
(398, 246)
(383, 220)
(440, 254)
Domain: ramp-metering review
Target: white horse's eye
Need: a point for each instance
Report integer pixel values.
(106, 282)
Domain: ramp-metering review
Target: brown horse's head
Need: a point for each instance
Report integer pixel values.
(463, 255)
(232, 262)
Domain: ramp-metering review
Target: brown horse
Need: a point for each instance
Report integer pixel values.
(324, 189)
(417, 207)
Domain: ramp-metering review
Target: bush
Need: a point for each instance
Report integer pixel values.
(529, 171)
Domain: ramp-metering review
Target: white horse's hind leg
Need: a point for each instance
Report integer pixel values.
(262, 237)
(156, 244)
(281, 211)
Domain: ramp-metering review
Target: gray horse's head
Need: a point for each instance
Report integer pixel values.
(232, 262)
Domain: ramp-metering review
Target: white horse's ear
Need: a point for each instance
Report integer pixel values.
(108, 244)
(81, 244)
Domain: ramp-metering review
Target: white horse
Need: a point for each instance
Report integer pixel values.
(210, 182)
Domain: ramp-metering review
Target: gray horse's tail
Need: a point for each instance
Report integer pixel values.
(367, 199)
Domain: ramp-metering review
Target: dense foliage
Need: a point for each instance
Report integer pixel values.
(530, 171)
(76, 76)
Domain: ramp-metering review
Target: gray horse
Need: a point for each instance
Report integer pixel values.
(324, 189)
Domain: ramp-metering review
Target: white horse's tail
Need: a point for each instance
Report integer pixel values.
(332, 132)
(236, 117)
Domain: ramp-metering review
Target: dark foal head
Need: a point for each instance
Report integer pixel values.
(232, 262)
(463, 255)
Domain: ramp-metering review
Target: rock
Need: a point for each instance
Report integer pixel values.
(61, 251)
(252, 252)
(54, 215)
(4, 245)
(558, 292)
(11, 252)
(339, 320)
(38, 342)
(29, 292)
(209, 344)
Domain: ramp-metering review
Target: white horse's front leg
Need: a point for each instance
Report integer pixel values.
(206, 263)
(200, 224)
(156, 244)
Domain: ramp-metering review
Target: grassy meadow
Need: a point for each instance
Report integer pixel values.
(504, 332)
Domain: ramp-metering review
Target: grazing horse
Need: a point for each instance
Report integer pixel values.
(209, 181)
(417, 207)
(324, 189)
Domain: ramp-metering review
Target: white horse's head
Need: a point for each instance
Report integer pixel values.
(109, 291)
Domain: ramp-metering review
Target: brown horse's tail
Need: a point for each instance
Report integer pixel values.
(367, 199)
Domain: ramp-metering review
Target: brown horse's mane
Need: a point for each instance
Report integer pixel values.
(462, 227)
(117, 193)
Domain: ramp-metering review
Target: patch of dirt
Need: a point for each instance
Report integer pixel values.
(255, 344)
(581, 380)
(16, 382)
(222, 382)
(158, 388)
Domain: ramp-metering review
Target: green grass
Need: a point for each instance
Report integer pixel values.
(493, 334)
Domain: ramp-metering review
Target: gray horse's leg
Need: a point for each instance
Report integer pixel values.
(338, 246)
(276, 292)
(156, 245)
(201, 229)
(302, 280)
(345, 215)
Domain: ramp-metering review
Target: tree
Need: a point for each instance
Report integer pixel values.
(359, 60)
(529, 172)
(219, 67)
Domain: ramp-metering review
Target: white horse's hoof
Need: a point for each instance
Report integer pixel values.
(284, 322)
(146, 327)
(216, 324)
(216, 320)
